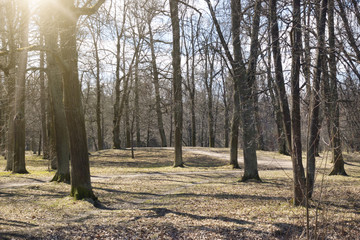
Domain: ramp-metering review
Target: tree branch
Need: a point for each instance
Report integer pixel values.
(29, 48)
(89, 10)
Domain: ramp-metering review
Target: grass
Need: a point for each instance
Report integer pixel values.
(146, 198)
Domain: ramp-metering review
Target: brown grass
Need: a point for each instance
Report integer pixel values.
(146, 198)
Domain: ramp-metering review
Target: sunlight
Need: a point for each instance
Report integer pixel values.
(40, 7)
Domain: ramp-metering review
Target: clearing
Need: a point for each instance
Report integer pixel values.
(146, 198)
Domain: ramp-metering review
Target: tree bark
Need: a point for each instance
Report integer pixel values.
(127, 122)
(296, 154)
(80, 169)
(137, 107)
(279, 77)
(20, 80)
(337, 157)
(315, 104)
(247, 96)
(43, 106)
(10, 79)
(208, 79)
(177, 82)
(49, 27)
(100, 138)
(157, 89)
(239, 76)
(52, 136)
(117, 110)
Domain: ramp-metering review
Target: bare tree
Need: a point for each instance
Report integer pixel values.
(49, 27)
(296, 147)
(337, 157)
(20, 79)
(177, 82)
(80, 169)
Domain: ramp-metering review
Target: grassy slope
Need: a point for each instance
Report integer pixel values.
(145, 198)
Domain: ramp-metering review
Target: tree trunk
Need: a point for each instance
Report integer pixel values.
(259, 130)
(279, 79)
(52, 137)
(56, 98)
(239, 76)
(177, 82)
(20, 80)
(157, 90)
(209, 61)
(315, 104)
(116, 121)
(43, 106)
(10, 124)
(247, 102)
(127, 122)
(80, 169)
(226, 111)
(137, 108)
(296, 153)
(100, 138)
(337, 157)
(117, 110)
(10, 79)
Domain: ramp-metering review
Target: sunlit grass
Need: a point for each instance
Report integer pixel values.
(204, 200)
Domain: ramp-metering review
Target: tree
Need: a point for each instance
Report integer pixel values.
(20, 79)
(296, 147)
(80, 169)
(190, 66)
(337, 157)
(177, 82)
(244, 81)
(315, 104)
(279, 77)
(119, 104)
(8, 67)
(49, 27)
(44, 137)
(156, 86)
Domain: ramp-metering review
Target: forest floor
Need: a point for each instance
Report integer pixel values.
(146, 198)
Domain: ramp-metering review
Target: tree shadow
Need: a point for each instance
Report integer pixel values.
(231, 196)
(161, 212)
(286, 230)
(15, 223)
(11, 236)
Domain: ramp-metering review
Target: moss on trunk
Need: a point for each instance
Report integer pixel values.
(61, 177)
(79, 193)
(251, 177)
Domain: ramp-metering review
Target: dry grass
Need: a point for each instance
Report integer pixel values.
(146, 198)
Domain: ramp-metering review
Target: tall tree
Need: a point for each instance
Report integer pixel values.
(155, 73)
(315, 103)
(44, 138)
(337, 157)
(94, 27)
(177, 82)
(20, 79)
(9, 72)
(247, 95)
(296, 151)
(80, 169)
(117, 104)
(244, 80)
(49, 27)
(279, 77)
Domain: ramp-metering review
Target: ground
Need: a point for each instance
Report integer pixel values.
(146, 198)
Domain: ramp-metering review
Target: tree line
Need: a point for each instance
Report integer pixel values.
(260, 75)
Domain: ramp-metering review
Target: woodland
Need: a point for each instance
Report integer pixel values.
(179, 119)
